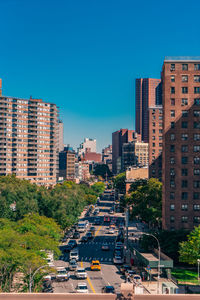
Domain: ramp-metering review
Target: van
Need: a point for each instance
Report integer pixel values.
(74, 254)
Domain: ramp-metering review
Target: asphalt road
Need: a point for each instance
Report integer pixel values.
(109, 274)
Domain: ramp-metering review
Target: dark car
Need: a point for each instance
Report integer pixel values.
(84, 239)
(108, 289)
(89, 235)
(124, 268)
(92, 229)
(68, 234)
(76, 235)
(97, 221)
(71, 244)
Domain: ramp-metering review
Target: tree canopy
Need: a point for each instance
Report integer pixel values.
(190, 250)
(119, 183)
(102, 170)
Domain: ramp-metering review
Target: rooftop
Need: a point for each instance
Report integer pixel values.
(182, 58)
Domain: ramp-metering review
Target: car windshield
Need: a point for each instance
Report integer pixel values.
(109, 288)
(95, 264)
(61, 272)
(81, 271)
(73, 263)
(82, 287)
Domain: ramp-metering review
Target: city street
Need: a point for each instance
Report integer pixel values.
(91, 250)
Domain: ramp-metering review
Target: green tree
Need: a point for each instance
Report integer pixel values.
(102, 170)
(98, 188)
(190, 249)
(120, 183)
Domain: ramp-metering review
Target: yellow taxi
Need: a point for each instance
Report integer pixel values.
(95, 265)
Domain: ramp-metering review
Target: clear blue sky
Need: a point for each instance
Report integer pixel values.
(84, 55)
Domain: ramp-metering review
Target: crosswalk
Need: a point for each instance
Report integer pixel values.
(101, 259)
(96, 243)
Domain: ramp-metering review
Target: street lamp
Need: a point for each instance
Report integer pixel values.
(32, 276)
(198, 261)
(158, 257)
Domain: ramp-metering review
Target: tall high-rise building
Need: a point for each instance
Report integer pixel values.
(181, 142)
(89, 145)
(0, 87)
(119, 138)
(60, 136)
(148, 93)
(29, 139)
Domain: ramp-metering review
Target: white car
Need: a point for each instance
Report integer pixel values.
(137, 278)
(62, 274)
(74, 254)
(82, 288)
(73, 265)
(118, 260)
(111, 231)
(80, 273)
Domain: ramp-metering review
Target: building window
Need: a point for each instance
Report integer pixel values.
(172, 78)
(197, 90)
(196, 137)
(184, 67)
(153, 124)
(196, 171)
(154, 131)
(184, 219)
(153, 145)
(172, 207)
(172, 172)
(196, 125)
(184, 101)
(172, 195)
(184, 160)
(197, 101)
(196, 219)
(160, 117)
(172, 113)
(184, 148)
(172, 148)
(184, 90)
(184, 207)
(172, 67)
(153, 138)
(196, 184)
(196, 206)
(160, 138)
(172, 219)
(172, 124)
(196, 160)
(184, 124)
(172, 136)
(160, 144)
(184, 113)
(184, 183)
(196, 78)
(173, 101)
(184, 78)
(172, 90)
(172, 183)
(184, 195)
(196, 148)
(184, 136)
(197, 67)
(172, 160)
(184, 172)
(196, 196)
(160, 130)
(196, 113)
(160, 124)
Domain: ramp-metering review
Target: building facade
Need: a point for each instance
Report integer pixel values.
(82, 171)
(148, 93)
(181, 142)
(107, 156)
(155, 141)
(87, 145)
(67, 163)
(60, 136)
(29, 139)
(135, 154)
(119, 138)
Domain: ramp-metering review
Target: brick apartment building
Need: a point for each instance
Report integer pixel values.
(155, 141)
(29, 139)
(181, 142)
(67, 163)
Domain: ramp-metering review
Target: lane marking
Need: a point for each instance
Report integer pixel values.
(89, 281)
(97, 231)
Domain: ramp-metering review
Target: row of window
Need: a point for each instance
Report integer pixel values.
(184, 219)
(184, 148)
(154, 131)
(184, 90)
(184, 183)
(184, 172)
(184, 101)
(184, 136)
(185, 78)
(184, 124)
(196, 113)
(184, 207)
(184, 160)
(185, 67)
(184, 195)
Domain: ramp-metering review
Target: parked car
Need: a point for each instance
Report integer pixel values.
(108, 289)
(80, 273)
(82, 288)
(73, 265)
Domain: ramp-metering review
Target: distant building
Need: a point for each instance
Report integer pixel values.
(82, 172)
(107, 156)
(0, 87)
(60, 136)
(67, 164)
(148, 93)
(134, 173)
(88, 145)
(119, 138)
(92, 157)
(134, 154)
